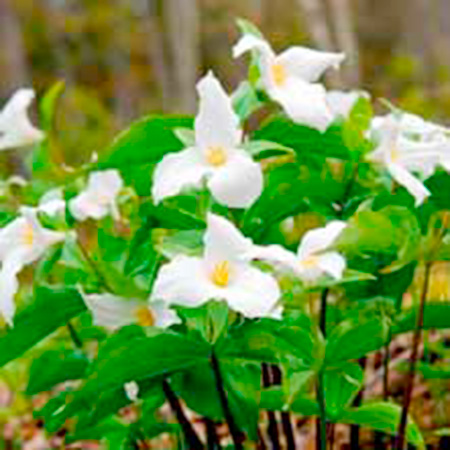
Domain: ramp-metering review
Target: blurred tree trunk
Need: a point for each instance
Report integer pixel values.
(346, 39)
(13, 55)
(181, 18)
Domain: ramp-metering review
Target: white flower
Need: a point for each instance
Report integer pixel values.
(402, 156)
(16, 130)
(52, 203)
(113, 312)
(131, 391)
(313, 259)
(99, 198)
(233, 178)
(341, 103)
(224, 273)
(289, 79)
(22, 242)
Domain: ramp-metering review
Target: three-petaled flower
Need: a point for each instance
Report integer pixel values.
(289, 79)
(22, 241)
(16, 130)
(99, 198)
(233, 178)
(224, 272)
(314, 257)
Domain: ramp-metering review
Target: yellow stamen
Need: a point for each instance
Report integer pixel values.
(221, 274)
(310, 262)
(279, 74)
(395, 154)
(216, 155)
(28, 235)
(144, 317)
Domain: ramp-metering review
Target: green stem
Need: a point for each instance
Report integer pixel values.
(74, 336)
(321, 441)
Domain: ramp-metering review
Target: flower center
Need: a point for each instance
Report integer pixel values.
(221, 274)
(144, 316)
(28, 235)
(310, 262)
(216, 155)
(279, 74)
(395, 154)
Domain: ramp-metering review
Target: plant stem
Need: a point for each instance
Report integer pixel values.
(272, 429)
(94, 266)
(213, 442)
(74, 336)
(190, 435)
(413, 359)
(321, 424)
(285, 415)
(236, 434)
(354, 429)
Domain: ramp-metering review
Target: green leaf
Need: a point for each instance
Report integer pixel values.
(266, 149)
(341, 386)
(383, 416)
(165, 216)
(145, 141)
(436, 316)
(350, 340)
(245, 100)
(186, 136)
(54, 367)
(51, 309)
(182, 242)
(247, 27)
(274, 399)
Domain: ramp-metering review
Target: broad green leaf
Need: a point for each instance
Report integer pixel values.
(341, 386)
(145, 141)
(247, 27)
(435, 372)
(245, 100)
(436, 315)
(51, 309)
(54, 367)
(112, 431)
(352, 340)
(383, 416)
(188, 242)
(170, 217)
(186, 136)
(274, 399)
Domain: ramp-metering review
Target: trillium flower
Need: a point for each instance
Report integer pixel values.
(341, 103)
(52, 203)
(224, 272)
(113, 312)
(233, 178)
(289, 79)
(402, 156)
(313, 258)
(22, 242)
(16, 130)
(99, 198)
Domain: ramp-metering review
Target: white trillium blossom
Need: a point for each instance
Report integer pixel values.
(402, 156)
(16, 129)
(313, 258)
(99, 198)
(131, 391)
(290, 79)
(22, 241)
(341, 103)
(113, 312)
(52, 203)
(231, 175)
(224, 272)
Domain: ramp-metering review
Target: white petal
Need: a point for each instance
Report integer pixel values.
(106, 183)
(216, 123)
(333, 264)
(250, 42)
(412, 184)
(131, 391)
(341, 103)
(253, 293)
(237, 184)
(164, 316)
(16, 130)
(176, 172)
(8, 289)
(111, 311)
(184, 282)
(277, 256)
(85, 206)
(304, 103)
(307, 64)
(319, 239)
(52, 203)
(224, 242)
